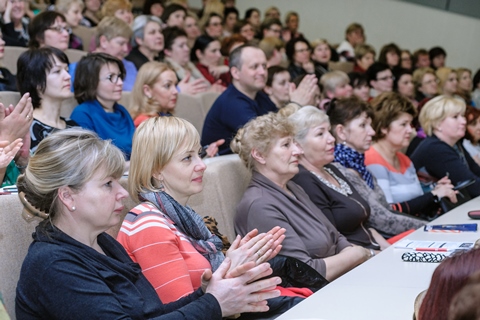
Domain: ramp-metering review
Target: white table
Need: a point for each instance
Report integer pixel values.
(383, 287)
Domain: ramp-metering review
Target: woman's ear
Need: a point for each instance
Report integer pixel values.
(340, 133)
(167, 52)
(65, 195)
(384, 131)
(258, 156)
(147, 91)
(268, 90)
(198, 54)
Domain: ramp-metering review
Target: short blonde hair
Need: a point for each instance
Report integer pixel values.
(418, 75)
(269, 45)
(148, 75)
(437, 109)
(305, 119)
(362, 49)
(111, 27)
(315, 43)
(111, 6)
(442, 76)
(330, 80)
(259, 133)
(63, 6)
(162, 137)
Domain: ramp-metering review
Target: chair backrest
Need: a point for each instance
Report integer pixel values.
(190, 108)
(86, 34)
(341, 66)
(126, 99)
(208, 98)
(15, 238)
(224, 183)
(67, 107)
(9, 98)
(10, 57)
(75, 55)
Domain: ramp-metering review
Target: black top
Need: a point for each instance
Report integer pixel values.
(40, 130)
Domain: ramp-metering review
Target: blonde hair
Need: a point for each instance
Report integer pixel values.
(442, 76)
(418, 75)
(330, 80)
(362, 49)
(305, 119)
(49, 168)
(63, 6)
(460, 72)
(111, 6)
(148, 75)
(111, 27)
(259, 134)
(269, 44)
(162, 137)
(315, 43)
(437, 109)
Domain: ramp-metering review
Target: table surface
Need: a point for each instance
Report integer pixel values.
(383, 287)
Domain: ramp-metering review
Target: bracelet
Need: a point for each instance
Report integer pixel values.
(20, 167)
(372, 253)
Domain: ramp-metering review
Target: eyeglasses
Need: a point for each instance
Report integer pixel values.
(303, 50)
(60, 29)
(386, 78)
(275, 30)
(113, 78)
(215, 24)
(431, 81)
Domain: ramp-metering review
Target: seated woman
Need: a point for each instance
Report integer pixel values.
(274, 50)
(266, 146)
(15, 22)
(403, 84)
(406, 60)
(364, 57)
(49, 28)
(72, 10)
(298, 52)
(98, 87)
(471, 143)
(464, 86)
(326, 186)
(426, 84)
(335, 84)
(122, 9)
(321, 54)
(91, 14)
(351, 121)
(44, 74)
(147, 40)
(390, 55)
(191, 28)
(208, 59)
(80, 197)
(359, 84)
(174, 15)
(395, 173)
(7, 79)
(447, 81)
(245, 29)
(153, 7)
(212, 25)
(441, 153)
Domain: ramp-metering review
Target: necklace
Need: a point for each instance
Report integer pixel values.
(344, 187)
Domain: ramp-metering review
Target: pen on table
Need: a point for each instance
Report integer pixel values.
(432, 249)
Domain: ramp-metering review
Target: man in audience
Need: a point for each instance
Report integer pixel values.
(243, 99)
(380, 79)
(271, 28)
(354, 35)
(113, 36)
(421, 59)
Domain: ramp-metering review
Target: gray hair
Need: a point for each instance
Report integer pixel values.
(306, 118)
(139, 27)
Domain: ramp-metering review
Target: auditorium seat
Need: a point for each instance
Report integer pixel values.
(10, 57)
(341, 66)
(86, 34)
(75, 55)
(190, 108)
(9, 98)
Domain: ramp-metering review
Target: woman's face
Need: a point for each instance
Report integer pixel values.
(450, 86)
(254, 19)
(429, 85)
(230, 21)
(156, 10)
(405, 85)
(211, 55)
(214, 28)
(318, 146)
(18, 9)
(176, 19)
(465, 81)
(74, 14)
(358, 133)
(474, 130)
(163, 92)
(108, 89)
(392, 59)
(452, 128)
(57, 35)
(124, 15)
(343, 90)
(247, 32)
(180, 52)
(399, 132)
(438, 61)
(152, 37)
(292, 23)
(58, 84)
(406, 61)
(302, 53)
(99, 203)
(183, 175)
(362, 91)
(191, 28)
(283, 157)
(280, 90)
(92, 5)
(366, 61)
(322, 53)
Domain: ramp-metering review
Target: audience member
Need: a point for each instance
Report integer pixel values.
(274, 49)
(292, 21)
(326, 186)
(351, 120)
(426, 83)
(421, 59)
(230, 18)
(212, 25)
(437, 57)
(464, 85)
(154, 8)
(272, 13)
(390, 55)
(271, 28)
(252, 16)
(476, 89)
(406, 60)
(44, 74)
(174, 15)
(91, 14)
(364, 57)
(354, 36)
(231, 43)
(49, 28)
(243, 100)
(321, 55)
(7, 79)
(471, 143)
(403, 84)
(447, 81)
(191, 28)
(380, 78)
(98, 87)
(122, 9)
(147, 40)
(15, 22)
(335, 84)
(245, 29)
(298, 52)
(267, 147)
(359, 84)
(207, 58)
(72, 10)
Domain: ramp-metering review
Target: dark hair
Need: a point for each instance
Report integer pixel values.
(344, 110)
(358, 79)
(272, 71)
(416, 54)
(32, 68)
(228, 42)
(201, 43)
(466, 303)
(235, 59)
(375, 69)
(472, 115)
(398, 73)
(250, 11)
(229, 10)
(147, 6)
(40, 23)
(391, 47)
(447, 279)
(266, 24)
(476, 79)
(435, 52)
(290, 46)
(387, 107)
(239, 25)
(87, 75)
(210, 16)
(171, 9)
(172, 33)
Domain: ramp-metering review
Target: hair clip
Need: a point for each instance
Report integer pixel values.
(29, 212)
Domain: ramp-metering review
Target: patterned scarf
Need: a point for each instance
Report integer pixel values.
(350, 158)
(190, 224)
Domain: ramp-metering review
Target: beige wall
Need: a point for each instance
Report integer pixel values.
(408, 25)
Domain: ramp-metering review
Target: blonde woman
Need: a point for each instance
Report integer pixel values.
(72, 10)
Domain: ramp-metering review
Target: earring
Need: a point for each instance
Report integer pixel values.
(344, 142)
(73, 208)
(149, 97)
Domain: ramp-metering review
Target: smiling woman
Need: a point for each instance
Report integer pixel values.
(72, 10)
(49, 28)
